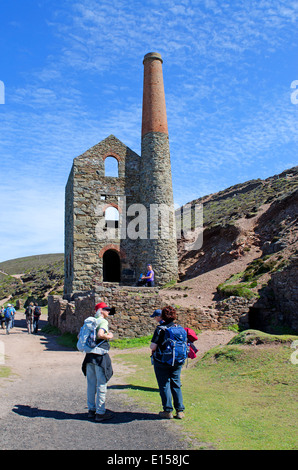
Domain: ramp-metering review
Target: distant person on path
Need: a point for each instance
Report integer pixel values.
(29, 317)
(2, 317)
(36, 315)
(13, 312)
(9, 316)
(168, 375)
(98, 367)
(149, 278)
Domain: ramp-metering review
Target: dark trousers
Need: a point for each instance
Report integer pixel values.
(35, 324)
(168, 379)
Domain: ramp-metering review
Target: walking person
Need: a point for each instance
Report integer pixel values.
(13, 312)
(29, 317)
(9, 315)
(169, 352)
(36, 315)
(98, 367)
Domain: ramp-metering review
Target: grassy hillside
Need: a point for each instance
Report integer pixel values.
(29, 263)
(244, 200)
(32, 277)
(254, 225)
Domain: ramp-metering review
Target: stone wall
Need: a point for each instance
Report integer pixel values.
(134, 305)
(69, 315)
(285, 291)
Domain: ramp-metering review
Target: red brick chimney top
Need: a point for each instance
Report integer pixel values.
(152, 55)
(154, 105)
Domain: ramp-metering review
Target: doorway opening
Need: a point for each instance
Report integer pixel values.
(256, 319)
(111, 266)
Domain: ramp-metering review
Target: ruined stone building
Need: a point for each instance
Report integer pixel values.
(114, 216)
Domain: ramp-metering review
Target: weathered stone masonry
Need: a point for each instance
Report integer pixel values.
(133, 309)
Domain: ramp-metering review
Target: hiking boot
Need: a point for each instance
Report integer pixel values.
(166, 414)
(102, 417)
(180, 415)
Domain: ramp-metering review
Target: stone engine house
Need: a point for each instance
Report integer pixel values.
(119, 213)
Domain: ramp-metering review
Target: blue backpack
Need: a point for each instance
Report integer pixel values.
(174, 349)
(8, 313)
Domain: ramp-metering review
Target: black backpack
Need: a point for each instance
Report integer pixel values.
(37, 311)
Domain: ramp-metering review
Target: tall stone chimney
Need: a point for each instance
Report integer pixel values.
(156, 193)
(154, 118)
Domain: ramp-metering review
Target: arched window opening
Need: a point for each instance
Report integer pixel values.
(111, 266)
(111, 167)
(112, 217)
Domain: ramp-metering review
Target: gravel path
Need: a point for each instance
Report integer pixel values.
(43, 405)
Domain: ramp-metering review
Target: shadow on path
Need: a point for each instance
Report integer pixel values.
(132, 387)
(119, 417)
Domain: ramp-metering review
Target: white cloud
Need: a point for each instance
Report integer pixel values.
(99, 33)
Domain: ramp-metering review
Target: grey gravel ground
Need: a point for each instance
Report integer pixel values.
(44, 405)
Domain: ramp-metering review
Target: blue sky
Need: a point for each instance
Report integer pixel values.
(73, 75)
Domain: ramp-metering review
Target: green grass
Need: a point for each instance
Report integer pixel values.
(240, 284)
(238, 290)
(41, 274)
(127, 343)
(259, 337)
(237, 397)
(4, 372)
(28, 263)
(70, 340)
(225, 206)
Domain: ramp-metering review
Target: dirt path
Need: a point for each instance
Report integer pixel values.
(43, 404)
(201, 290)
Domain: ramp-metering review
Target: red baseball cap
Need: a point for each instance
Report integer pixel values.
(101, 305)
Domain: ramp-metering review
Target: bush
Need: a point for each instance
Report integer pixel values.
(238, 290)
(259, 337)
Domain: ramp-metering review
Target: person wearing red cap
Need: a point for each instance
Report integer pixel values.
(98, 367)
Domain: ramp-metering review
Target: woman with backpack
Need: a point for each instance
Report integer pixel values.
(169, 352)
(29, 316)
(36, 315)
(9, 317)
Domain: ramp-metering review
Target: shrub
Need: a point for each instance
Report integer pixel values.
(238, 290)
